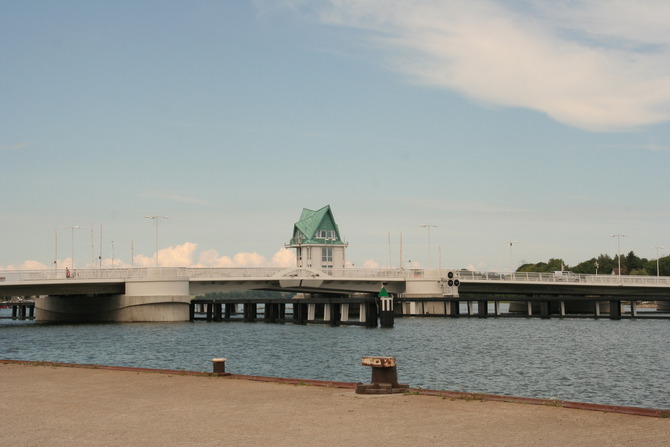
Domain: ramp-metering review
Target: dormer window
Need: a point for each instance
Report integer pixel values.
(325, 234)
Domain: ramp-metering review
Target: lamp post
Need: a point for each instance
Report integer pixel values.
(156, 219)
(73, 227)
(658, 269)
(510, 253)
(618, 237)
(56, 249)
(429, 226)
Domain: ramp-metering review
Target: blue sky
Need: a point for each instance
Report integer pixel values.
(542, 122)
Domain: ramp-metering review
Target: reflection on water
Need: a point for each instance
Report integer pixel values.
(587, 360)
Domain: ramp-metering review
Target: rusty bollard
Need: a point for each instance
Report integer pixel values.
(219, 367)
(384, 377)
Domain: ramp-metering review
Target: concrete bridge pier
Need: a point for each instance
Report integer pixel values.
(161, 296)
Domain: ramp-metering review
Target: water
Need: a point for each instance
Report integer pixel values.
(601, 361)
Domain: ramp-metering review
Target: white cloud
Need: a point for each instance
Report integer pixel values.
(27, 265)
(284, 258)
(595, 64)
(370, 264)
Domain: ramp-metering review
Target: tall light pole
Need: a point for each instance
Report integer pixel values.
(510, 253)
(156, 219)
(56, 249)
(618, 237)
(73, 227)
(429, 226)
(658, 269)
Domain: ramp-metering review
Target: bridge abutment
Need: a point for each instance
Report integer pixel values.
(161, 296)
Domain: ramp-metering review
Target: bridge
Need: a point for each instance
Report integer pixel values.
(165, 293)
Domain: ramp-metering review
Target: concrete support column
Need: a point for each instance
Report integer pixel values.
(334, 314)
(471, 310)
(270, 313)
(311, 312)
(371, 313)
(597, 308)
(633, 308)
(250, 311)
(299, 313)
(496, 306)
(344, 312)
(482, 309)
(544, 310)
(162, 296)
(562, 308)
(455, 309)
(529, 308)
(615, 310)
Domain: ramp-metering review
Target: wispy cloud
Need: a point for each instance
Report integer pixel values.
(174, 198)
(15, 146)
(183, 255)
(601, 65)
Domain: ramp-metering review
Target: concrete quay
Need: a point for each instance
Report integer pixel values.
(47, 404)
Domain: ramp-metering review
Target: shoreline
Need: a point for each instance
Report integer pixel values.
(445, 394)
(58, 404)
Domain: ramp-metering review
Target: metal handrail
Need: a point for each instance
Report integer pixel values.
(268, 272)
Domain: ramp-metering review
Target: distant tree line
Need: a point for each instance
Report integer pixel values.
(605, 264)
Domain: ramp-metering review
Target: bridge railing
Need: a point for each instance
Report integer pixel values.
(565, 278)
(48, 275)
(226, 272)
(268, 272)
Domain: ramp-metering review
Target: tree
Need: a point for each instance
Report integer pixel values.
(587, 267)
(632, 262)
(663, 264)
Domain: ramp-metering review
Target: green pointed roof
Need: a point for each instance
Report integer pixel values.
(312, 225)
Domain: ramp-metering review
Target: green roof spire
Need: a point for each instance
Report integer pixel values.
(316, 227)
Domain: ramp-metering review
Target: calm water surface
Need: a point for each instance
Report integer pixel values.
(609, 362)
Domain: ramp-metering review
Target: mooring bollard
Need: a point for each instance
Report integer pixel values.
(219, 367)
(384, 377)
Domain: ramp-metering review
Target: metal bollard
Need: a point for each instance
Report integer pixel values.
(384, 377)
(219, 367)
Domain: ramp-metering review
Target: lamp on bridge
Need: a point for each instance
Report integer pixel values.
(658, 268)
(511, 269)
(429, 226)
(618, 236)
(156, 219)
(72, 227)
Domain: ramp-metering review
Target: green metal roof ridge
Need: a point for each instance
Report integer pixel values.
(311, 220)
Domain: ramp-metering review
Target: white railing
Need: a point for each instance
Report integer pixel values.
(228, 272)
(565, 278)
(356, 273)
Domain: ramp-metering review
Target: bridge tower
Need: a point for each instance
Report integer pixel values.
(316, 238)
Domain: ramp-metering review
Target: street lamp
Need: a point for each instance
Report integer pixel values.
(618, 237)
(658, 269)
(429, 226)
(73, 227)
(510, 253)
(156, 219)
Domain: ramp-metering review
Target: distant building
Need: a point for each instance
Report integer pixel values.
(317, 241)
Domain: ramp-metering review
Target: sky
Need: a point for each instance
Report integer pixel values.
(438, 131)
